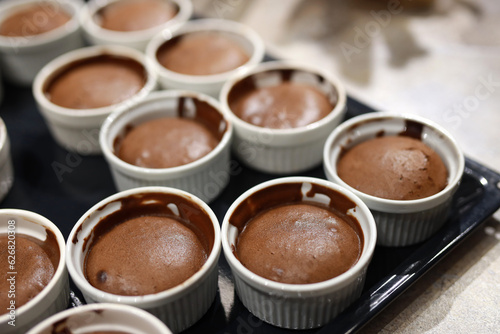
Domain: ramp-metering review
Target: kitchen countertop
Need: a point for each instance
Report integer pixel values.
(438, 59)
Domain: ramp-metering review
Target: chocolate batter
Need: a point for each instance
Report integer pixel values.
(285, 237)
(393, 167)
(144, 255)
(153, 242)
(166, 142)
(34, 20)
(193, 132)
(133, 15)
(298, 244)
(96, 82)
(284, 106)
(201, 53)
(35, 264)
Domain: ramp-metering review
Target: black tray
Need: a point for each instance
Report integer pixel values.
(62, 186)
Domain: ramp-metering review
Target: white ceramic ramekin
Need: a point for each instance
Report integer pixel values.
(102, 317)
(399, 222)
(241, 34)
(77, 130)
(205, 177)
(284, 150)
(6, 168)
(22, 57)
(54, 297)
(1, 88)
(178, 307)
(298, 306)
(97, 35)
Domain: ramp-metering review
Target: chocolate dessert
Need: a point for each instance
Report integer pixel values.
(166, 142)
(144, 255)
(284, 106)
(34, 20)
(274, 99)
(35, 263)
(134, 15)
(96, 82)
(298, 244)
(201, 53)
(393, 167)
(173, 141)
(148, 246)
(289, 240)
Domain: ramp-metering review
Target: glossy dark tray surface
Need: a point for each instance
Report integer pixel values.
(62, 186)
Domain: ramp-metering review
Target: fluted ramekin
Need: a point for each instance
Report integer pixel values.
(179, 307)
(23, 57)
(97, 35)
(54, 296)
(239, 33)
(205, 177)
(102, 317)
(399, 222)
(77, 130)
(298, 306)
(6, 168)
(284, 150)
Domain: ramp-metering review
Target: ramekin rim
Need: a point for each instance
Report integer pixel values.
(96, 307)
